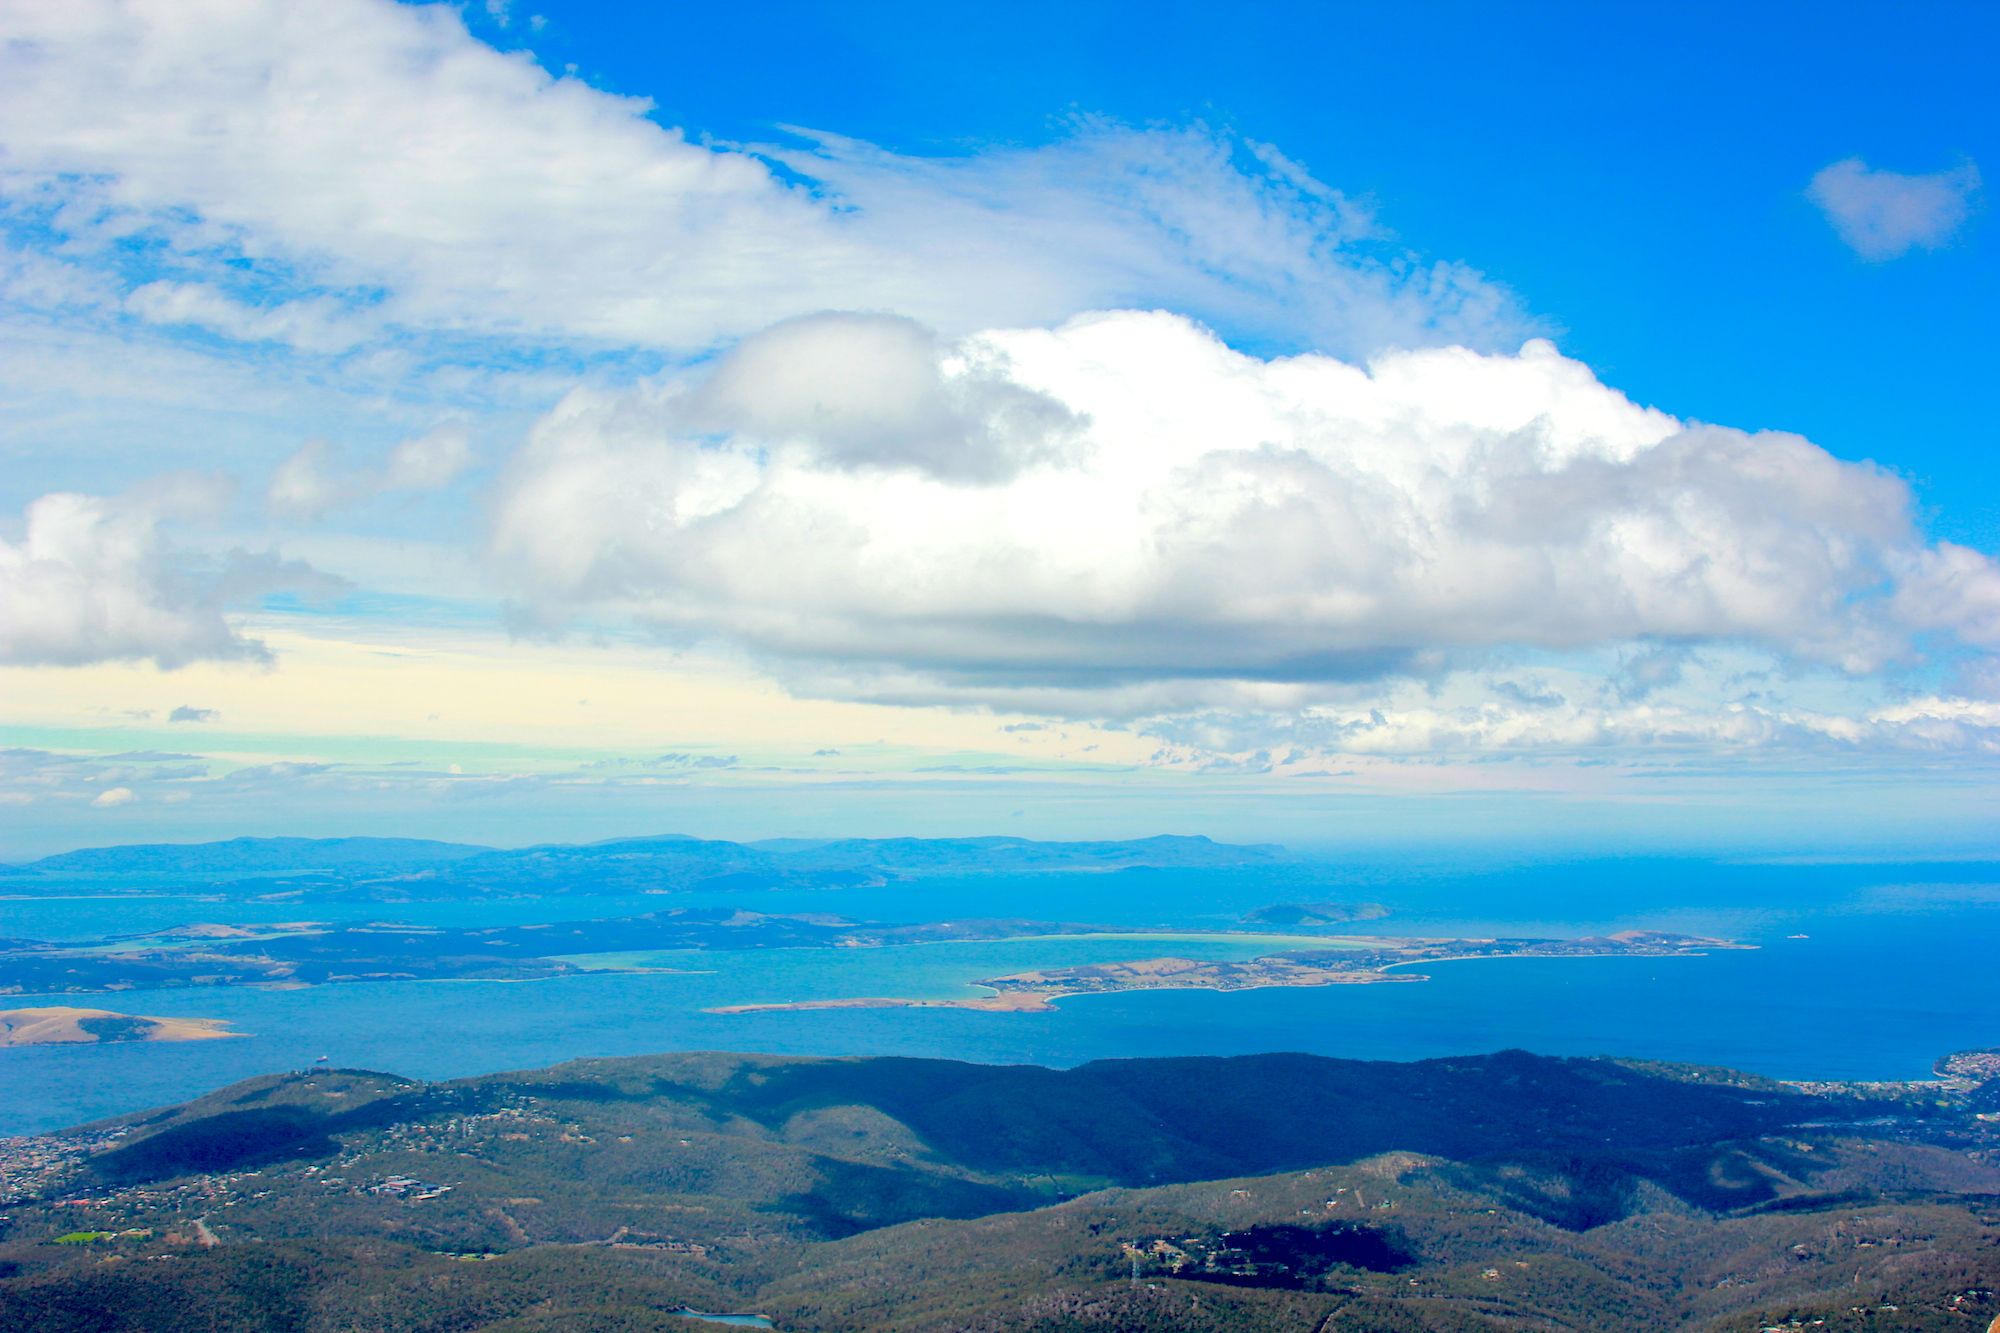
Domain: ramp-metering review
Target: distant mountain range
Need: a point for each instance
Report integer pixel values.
(402, 868)
(251, 856)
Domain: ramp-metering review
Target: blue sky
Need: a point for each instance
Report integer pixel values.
(1309, 422)
(1636, 172)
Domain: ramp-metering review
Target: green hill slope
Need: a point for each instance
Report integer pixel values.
(1496, 1192)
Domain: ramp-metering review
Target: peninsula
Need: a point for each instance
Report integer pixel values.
(63, 1026)
(311, 953)
(1353, 960)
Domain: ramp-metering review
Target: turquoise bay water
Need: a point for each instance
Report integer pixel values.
(1897, 969)
(734, 1320)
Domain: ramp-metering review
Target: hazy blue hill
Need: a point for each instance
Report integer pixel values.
(622, 865)
(866, 855)
(253, 856)
(1013, 855)
(378, 868)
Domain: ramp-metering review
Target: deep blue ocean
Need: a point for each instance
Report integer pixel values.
(1900, 964)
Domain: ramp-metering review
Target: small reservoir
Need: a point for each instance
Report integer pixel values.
(733, 1320)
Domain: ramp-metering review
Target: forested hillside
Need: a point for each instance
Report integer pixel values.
(1498, 1192)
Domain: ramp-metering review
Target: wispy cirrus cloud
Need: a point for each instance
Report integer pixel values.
(317, 172)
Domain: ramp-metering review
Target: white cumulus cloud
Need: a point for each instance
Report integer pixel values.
(881, 390)
(947, 430)
(313, 480)
(1197, 514)
(94, 578)
(1883, 214)
(318, 325)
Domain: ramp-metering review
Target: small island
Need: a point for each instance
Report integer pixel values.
(1357, 961)
(1308, 915)
(63, 1026)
